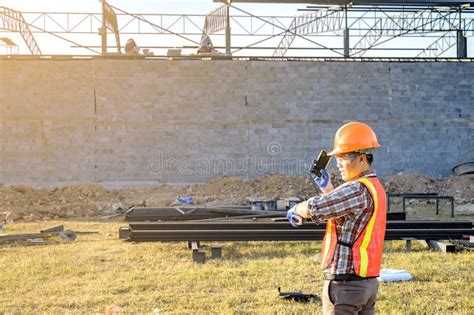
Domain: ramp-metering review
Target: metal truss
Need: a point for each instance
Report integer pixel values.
(8, 46)
(140, 23)
(216, 20)
(317, 22)
(156, 27)
(444, 43)
(13, 21)
(370, 27)
(184, 24)
(430, 20)
(283, 32)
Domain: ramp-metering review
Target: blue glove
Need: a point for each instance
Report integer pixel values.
(185, 200)
(322, 181)
(294, 219)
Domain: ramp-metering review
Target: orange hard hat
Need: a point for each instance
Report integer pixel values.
(352, 137)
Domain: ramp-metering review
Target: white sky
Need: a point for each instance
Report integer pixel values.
(141, 6)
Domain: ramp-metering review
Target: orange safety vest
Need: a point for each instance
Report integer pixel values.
(368, 247)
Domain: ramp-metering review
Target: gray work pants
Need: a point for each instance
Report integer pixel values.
(350, 297)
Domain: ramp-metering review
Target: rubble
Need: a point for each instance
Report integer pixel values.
(25, 203)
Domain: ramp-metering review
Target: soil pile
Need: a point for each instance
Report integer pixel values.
(236, 190)
(460, 187)
(24, 203)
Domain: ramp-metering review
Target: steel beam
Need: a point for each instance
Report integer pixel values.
(281, 231)
(282, 235)
(103, 30)
(239, 225)
(201, 213)
(461, 42)
(357, 2)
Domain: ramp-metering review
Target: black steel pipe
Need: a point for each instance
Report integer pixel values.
(283, 235)
(200, 213)
(229, 225)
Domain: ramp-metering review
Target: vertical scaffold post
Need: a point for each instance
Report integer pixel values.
(103, 30)
(461, 40)
(227, 29)
(346, 34)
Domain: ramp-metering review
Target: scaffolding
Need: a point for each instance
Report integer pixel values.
(13, 20)
(8, 47)
(361, 29)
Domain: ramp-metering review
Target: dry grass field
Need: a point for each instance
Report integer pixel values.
(99, 270)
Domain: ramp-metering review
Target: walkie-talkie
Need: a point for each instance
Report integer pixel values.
(321, 162)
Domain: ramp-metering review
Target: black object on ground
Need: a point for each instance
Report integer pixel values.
(297, 296)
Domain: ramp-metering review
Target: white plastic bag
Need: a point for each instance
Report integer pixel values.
(389, 275)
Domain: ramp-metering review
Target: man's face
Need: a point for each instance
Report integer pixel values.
(349, 165)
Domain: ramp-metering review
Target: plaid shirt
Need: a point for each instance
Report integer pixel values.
(351, 206)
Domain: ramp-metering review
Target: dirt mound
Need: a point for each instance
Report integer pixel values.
(412, 183)
(161, 196)
(460, 187)
(25, 203)
(236, 190)
(228, 190)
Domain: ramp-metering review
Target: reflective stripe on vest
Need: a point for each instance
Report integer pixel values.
(330, 233)
(368, 247)
(364, 261)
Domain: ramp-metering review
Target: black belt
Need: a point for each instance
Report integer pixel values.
(346, 277)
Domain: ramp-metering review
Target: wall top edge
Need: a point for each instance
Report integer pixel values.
(227, 58)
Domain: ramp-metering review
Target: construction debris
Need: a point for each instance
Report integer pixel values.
(45, 236)
(464, 244)
(443, 247)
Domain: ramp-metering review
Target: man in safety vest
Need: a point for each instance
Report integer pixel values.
(355, 215)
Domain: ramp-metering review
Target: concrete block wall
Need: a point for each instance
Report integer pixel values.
(144, 122)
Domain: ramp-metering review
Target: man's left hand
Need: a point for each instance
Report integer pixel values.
(302, 210)
(294, 218)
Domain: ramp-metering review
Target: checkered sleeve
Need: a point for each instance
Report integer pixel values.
(349, 198)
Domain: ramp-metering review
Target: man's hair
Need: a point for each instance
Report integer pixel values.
(368, 154)
(370, 158)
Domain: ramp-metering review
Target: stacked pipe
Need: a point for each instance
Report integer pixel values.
(186, 213)
(282, 231)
